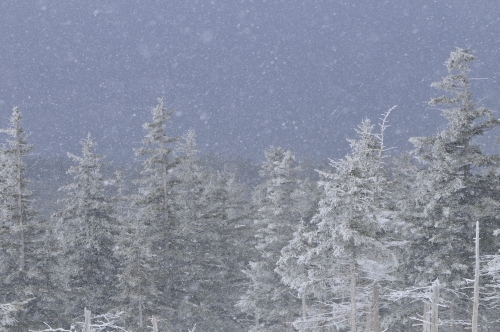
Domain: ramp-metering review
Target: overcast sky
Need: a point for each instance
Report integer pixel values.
(243, 74)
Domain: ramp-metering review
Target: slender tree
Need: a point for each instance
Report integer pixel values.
(293, 266)
(15, 192)
(277, 217)
(137, 289)
(450, 188)
(187, 238)
(155, 200)
(224, 240)
(208, 240)
(87, 227)
(345, 247)
(27, 251)
(455, 186)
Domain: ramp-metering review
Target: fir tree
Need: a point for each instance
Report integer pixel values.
(223, 246)
(188, 232)
(15, 192)
(206, 240)
(137, 286)
(456, 186)
(88, 229)
(27, 256)
(277, 217)
(343, 246)
(155, 200)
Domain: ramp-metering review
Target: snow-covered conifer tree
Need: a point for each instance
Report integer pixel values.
(87, 228)
(224, 239)
(345, 245)
(155, 200)
(207, 241)
(137, 289)
(26, 254)
(156, 182)
(457, 184)
(15, 193)
(186, 238)
(190, 181)
(277, 217)
(293, 268)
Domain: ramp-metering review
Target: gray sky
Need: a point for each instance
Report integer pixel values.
(244, 74)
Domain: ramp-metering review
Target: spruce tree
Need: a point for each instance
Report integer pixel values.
(456, 185)
(343, 246)
(277, 217)
(15, 192)
(207, 240)
(453, 189)
(224, 241)
(27, 246)
(188, 233)
(137, 289)
(155, 202)
(87, 228)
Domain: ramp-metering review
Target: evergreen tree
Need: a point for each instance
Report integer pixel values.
(277, 217)
(223, 246)
(88, 230)
(293, 268)
(137, 289)
(27, 256)
(206, 240)
(343, 246)
(188, 233)
(15, 192)
(155, 201)
(404, 170)
(456, 185)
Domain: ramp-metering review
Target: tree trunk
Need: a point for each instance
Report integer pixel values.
(154, 321)
(452, 317)
(141, 324)
(476, 284)
(353, 297)
(138, 266)
(257, 319)
(376, 319)
(304, 313)
(165, 194)
(20, 211)
(369, 322)
(86, 325)
(427, 317)
(435, 308)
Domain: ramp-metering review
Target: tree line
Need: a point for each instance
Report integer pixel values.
(375, 242)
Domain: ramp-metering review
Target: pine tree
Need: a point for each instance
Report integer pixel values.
(137, 289)
(223, 246)
(456, 185)
(277, 217)
(206, 240)
(190, 181)
(188, 233)
(15, 192)
(88, 230)
(292, 266)
(296, 269)
(404, 170)
(345, 246)
(27, 256)
(155, 200)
